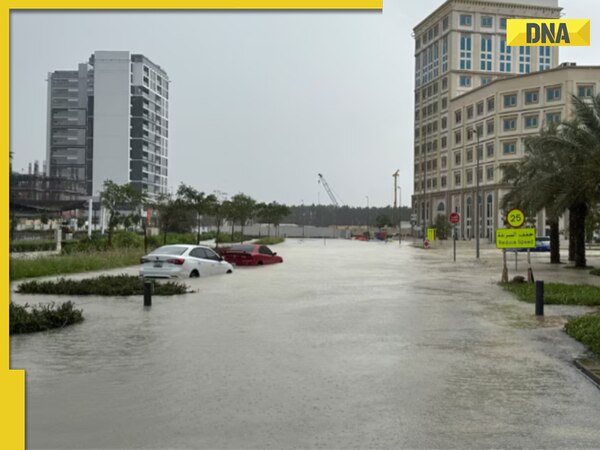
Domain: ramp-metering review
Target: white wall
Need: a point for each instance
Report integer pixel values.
(111, 118)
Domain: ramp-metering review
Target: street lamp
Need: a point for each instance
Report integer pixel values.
(368, 218)
(477, 227)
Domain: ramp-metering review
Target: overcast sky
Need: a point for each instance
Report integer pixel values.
(260, 101)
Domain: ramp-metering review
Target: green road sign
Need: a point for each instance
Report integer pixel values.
(515, 238)
(431, 234)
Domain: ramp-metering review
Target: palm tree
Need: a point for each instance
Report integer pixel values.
(562, 171)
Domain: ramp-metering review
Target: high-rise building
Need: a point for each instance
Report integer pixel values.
(109, 120)
(459, 48)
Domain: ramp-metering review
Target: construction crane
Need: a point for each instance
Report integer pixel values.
(329, 191)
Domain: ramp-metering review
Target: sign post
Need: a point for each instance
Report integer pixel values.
(515, 238)
(454, 219)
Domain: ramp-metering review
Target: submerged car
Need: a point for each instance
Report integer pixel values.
(250, 255)
(183, 261)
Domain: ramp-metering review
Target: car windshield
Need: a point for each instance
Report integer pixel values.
(242, 248)
(170, 250)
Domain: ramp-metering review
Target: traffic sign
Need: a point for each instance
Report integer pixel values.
(515, 238)
(454, 218)
(515, 218)
(425, 243)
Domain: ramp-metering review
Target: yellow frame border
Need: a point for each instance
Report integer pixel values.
(12, 382)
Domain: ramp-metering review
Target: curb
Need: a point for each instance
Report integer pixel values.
(590, 368)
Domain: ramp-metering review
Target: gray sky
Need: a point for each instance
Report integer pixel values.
(260, 101)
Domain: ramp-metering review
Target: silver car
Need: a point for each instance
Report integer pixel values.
(183, 261)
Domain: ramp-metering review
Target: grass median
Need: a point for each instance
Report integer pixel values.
(73, 263)
(269, 240)
(106, 285)
(557, 293)
(586, 329)
(28, 319)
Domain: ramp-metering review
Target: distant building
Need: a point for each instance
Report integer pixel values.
(464, 71)
(108, 120)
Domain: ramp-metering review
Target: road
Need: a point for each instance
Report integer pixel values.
(345, 345)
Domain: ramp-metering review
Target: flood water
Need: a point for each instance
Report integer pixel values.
(344, 345)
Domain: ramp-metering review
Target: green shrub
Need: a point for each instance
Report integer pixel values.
(557, 293)
(270, 240)
(225, 238)
(595, 272)
(42, 317)
(73, 263)
(127, 239)
(85, 244)
(586, 329)
(32, 246)
(113, 285)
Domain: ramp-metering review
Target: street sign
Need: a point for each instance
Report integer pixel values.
(515, 218)
(454, 218)
(515, 238)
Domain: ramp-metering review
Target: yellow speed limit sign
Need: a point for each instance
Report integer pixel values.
(515, 218)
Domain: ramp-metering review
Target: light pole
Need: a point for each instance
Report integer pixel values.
(477, 227)
(368, 218)
(395, 175)
(400, 215)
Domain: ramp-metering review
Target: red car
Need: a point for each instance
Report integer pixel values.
(250, 255)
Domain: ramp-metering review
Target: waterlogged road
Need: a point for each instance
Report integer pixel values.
(345, 345)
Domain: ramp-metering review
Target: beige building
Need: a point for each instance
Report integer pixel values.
(459, 48)
(496, 119)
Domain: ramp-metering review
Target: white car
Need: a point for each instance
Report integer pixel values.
(183, 261)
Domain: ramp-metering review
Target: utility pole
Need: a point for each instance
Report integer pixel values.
(477, 227)
(395, 175)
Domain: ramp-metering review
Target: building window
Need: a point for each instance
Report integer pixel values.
(509, 148)
(457, 158)
(444, 123)
(466, 20)
(444, 83)
(470, 154)
(510, 100)
(480, 108)
(509, 124)
(457, 137)
(553, 118)
(532, 97)
(487, 21)
(491, 103)
(457, 116)
(466, 53)
(503, 23)
(585, 91)
(445, 23)
(544, 58)
(524, 59)
(490, 149)
(490, 173)
(469, 176)
(445, 54)
(445, 103)
(505, 56)
(490, 127)
(456, 179)
(443, 181)
(465, 81)
(444, 142)
(486, 53)
(531, 121)
(469, 112)
(486, 80)
(553, 94)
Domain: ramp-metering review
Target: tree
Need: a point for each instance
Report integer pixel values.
(123, 203)
(441, 227)
(242, 210)
(383, 220)
(197, 201)
(173, 215)
(564, 171)
(272, 214)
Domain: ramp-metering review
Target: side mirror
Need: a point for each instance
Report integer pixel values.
(274, 253)
(221, 258)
